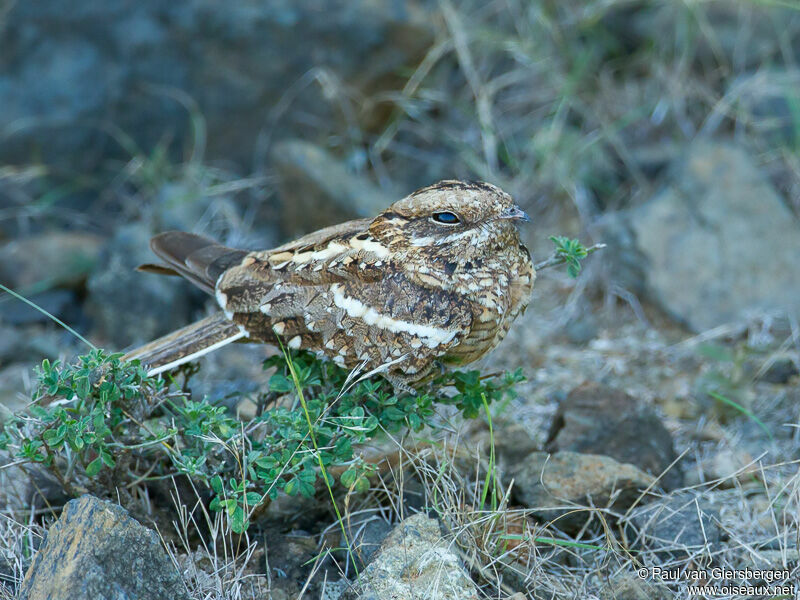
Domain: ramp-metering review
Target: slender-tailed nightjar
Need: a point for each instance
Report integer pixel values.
(435, 279)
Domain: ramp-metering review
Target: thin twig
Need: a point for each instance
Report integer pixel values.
(557, 259)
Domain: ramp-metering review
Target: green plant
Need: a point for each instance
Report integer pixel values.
(102, 425)
(77, 420)
(571, 252)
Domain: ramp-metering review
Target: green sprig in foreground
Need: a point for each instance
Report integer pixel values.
(101, 424)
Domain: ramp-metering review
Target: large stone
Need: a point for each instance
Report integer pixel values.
(97, 551)
(719, 244)
(63, 304)
(414, 561)
(596, 419)
(129, 307)
(559, 487)
(16, 383)
(318, 190)
(72, 77)
(32, 344)
(676, 526)
(48, 260)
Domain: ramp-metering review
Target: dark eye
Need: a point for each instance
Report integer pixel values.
(446, 217)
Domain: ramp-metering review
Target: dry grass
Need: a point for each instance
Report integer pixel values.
(21, 532)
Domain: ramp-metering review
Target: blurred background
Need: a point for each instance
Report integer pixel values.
(668, 130)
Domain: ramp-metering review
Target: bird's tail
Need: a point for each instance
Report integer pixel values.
(187, 344)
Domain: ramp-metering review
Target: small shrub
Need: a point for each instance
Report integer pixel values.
(101, 423)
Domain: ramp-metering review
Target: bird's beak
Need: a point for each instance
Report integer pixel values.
(515, 213)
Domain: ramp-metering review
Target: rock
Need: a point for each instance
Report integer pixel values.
(290, 556)
(777, 559)
(56, 302)
(596, 419)
(369, 537)
(768, 98)
(96, 550)
(230, 375)
(581, 329)
(32, 344)
(780, 371)
(130, 307)
(17, 383)
(512, 442)
(318, 190)
(554, 485)
(156, 68)
(731, 466)
(48, 260)
(676, 526)
(414, 561)
(712, 252)
(629, 586)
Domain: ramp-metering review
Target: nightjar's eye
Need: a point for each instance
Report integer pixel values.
(446, 218)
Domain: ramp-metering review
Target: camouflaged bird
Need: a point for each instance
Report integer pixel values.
(438, 277)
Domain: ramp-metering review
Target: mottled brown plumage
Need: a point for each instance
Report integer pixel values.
(438, 276)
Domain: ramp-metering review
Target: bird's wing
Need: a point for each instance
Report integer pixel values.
(340, 293)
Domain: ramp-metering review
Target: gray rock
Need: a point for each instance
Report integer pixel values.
(582, 329)
(676, 526)
(32, 344)
(557, 485)
(628, 586)
(154, 66)
(16, 386)
(48, 260)
(596, 419)
(780, 371)
(318, 190)
(414, 561)
(368, 539)
(290, 557)
(56, 302)
(718, 243)
(129, 307)
(95, 551)
(513, 442)
(228, 376)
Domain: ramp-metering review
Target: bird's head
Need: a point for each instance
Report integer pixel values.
(449, 220)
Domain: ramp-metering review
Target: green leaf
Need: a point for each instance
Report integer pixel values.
(94, 467)
(296, 485)
(108, 460)
(394, 414)
(52, 437)
(414, 422)
(252, 498)
(292, 486)
(238, 521)
(82, 387)
(39, 412)
(216, 484)
(349, 477)
(280, 384)
(229, 504)
(362, 484)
